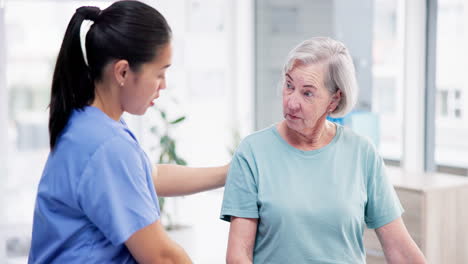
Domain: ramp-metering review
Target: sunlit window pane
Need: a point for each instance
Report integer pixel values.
(387, 100)
(451, 84)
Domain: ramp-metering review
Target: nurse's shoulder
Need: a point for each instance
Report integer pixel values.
(88, 129)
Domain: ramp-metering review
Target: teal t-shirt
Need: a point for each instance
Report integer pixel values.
(312, 206)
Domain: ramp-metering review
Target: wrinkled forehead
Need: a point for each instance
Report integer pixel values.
(307, 73)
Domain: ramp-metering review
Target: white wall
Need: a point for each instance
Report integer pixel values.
(3, 129)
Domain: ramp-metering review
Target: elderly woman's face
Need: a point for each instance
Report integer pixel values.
(305, 97)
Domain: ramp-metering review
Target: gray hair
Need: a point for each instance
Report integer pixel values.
(340, 75)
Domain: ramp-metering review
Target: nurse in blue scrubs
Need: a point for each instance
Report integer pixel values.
(96, 200)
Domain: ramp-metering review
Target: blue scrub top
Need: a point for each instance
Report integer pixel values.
(95, 192)
(312, 206)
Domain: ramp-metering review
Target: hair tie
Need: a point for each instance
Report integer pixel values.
(84, 29)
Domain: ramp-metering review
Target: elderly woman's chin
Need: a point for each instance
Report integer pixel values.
(294, 123)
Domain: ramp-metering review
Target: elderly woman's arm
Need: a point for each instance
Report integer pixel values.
(398, 245)
(241, 241)
(176, 180)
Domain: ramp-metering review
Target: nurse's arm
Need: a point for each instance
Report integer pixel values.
(176, 180)
(151, 245)
(241, 242)
(397, 244)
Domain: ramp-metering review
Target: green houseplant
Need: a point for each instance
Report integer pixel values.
(167, 151)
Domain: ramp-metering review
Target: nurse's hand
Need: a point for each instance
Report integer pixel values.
(176, 180)
(151, 244)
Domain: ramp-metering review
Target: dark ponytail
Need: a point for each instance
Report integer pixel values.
(128, 30)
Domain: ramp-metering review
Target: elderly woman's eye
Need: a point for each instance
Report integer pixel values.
(289, 86)
(308, 94)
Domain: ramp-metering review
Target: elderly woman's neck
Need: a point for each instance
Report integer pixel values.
(310, 139)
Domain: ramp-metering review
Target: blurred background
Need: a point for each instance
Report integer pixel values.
(411, 59)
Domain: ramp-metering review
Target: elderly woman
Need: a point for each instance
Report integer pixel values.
(302, 190)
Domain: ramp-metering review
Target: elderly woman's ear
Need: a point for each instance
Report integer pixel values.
(336, 98)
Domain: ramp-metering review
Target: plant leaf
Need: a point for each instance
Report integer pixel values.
(161, 203)
(164, 140)
(181, 161)
(163, 114)
(178, 120)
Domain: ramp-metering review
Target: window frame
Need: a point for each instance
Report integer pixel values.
(419, 89)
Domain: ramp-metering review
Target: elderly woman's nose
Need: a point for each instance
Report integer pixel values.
(293, 102)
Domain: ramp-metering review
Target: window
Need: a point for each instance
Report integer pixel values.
(451, 124)
(386, 71)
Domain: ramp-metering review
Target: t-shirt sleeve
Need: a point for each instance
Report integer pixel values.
(383, 205)
(114, 193)
(240, 192)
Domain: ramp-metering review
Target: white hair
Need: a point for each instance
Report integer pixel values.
(340, 74)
